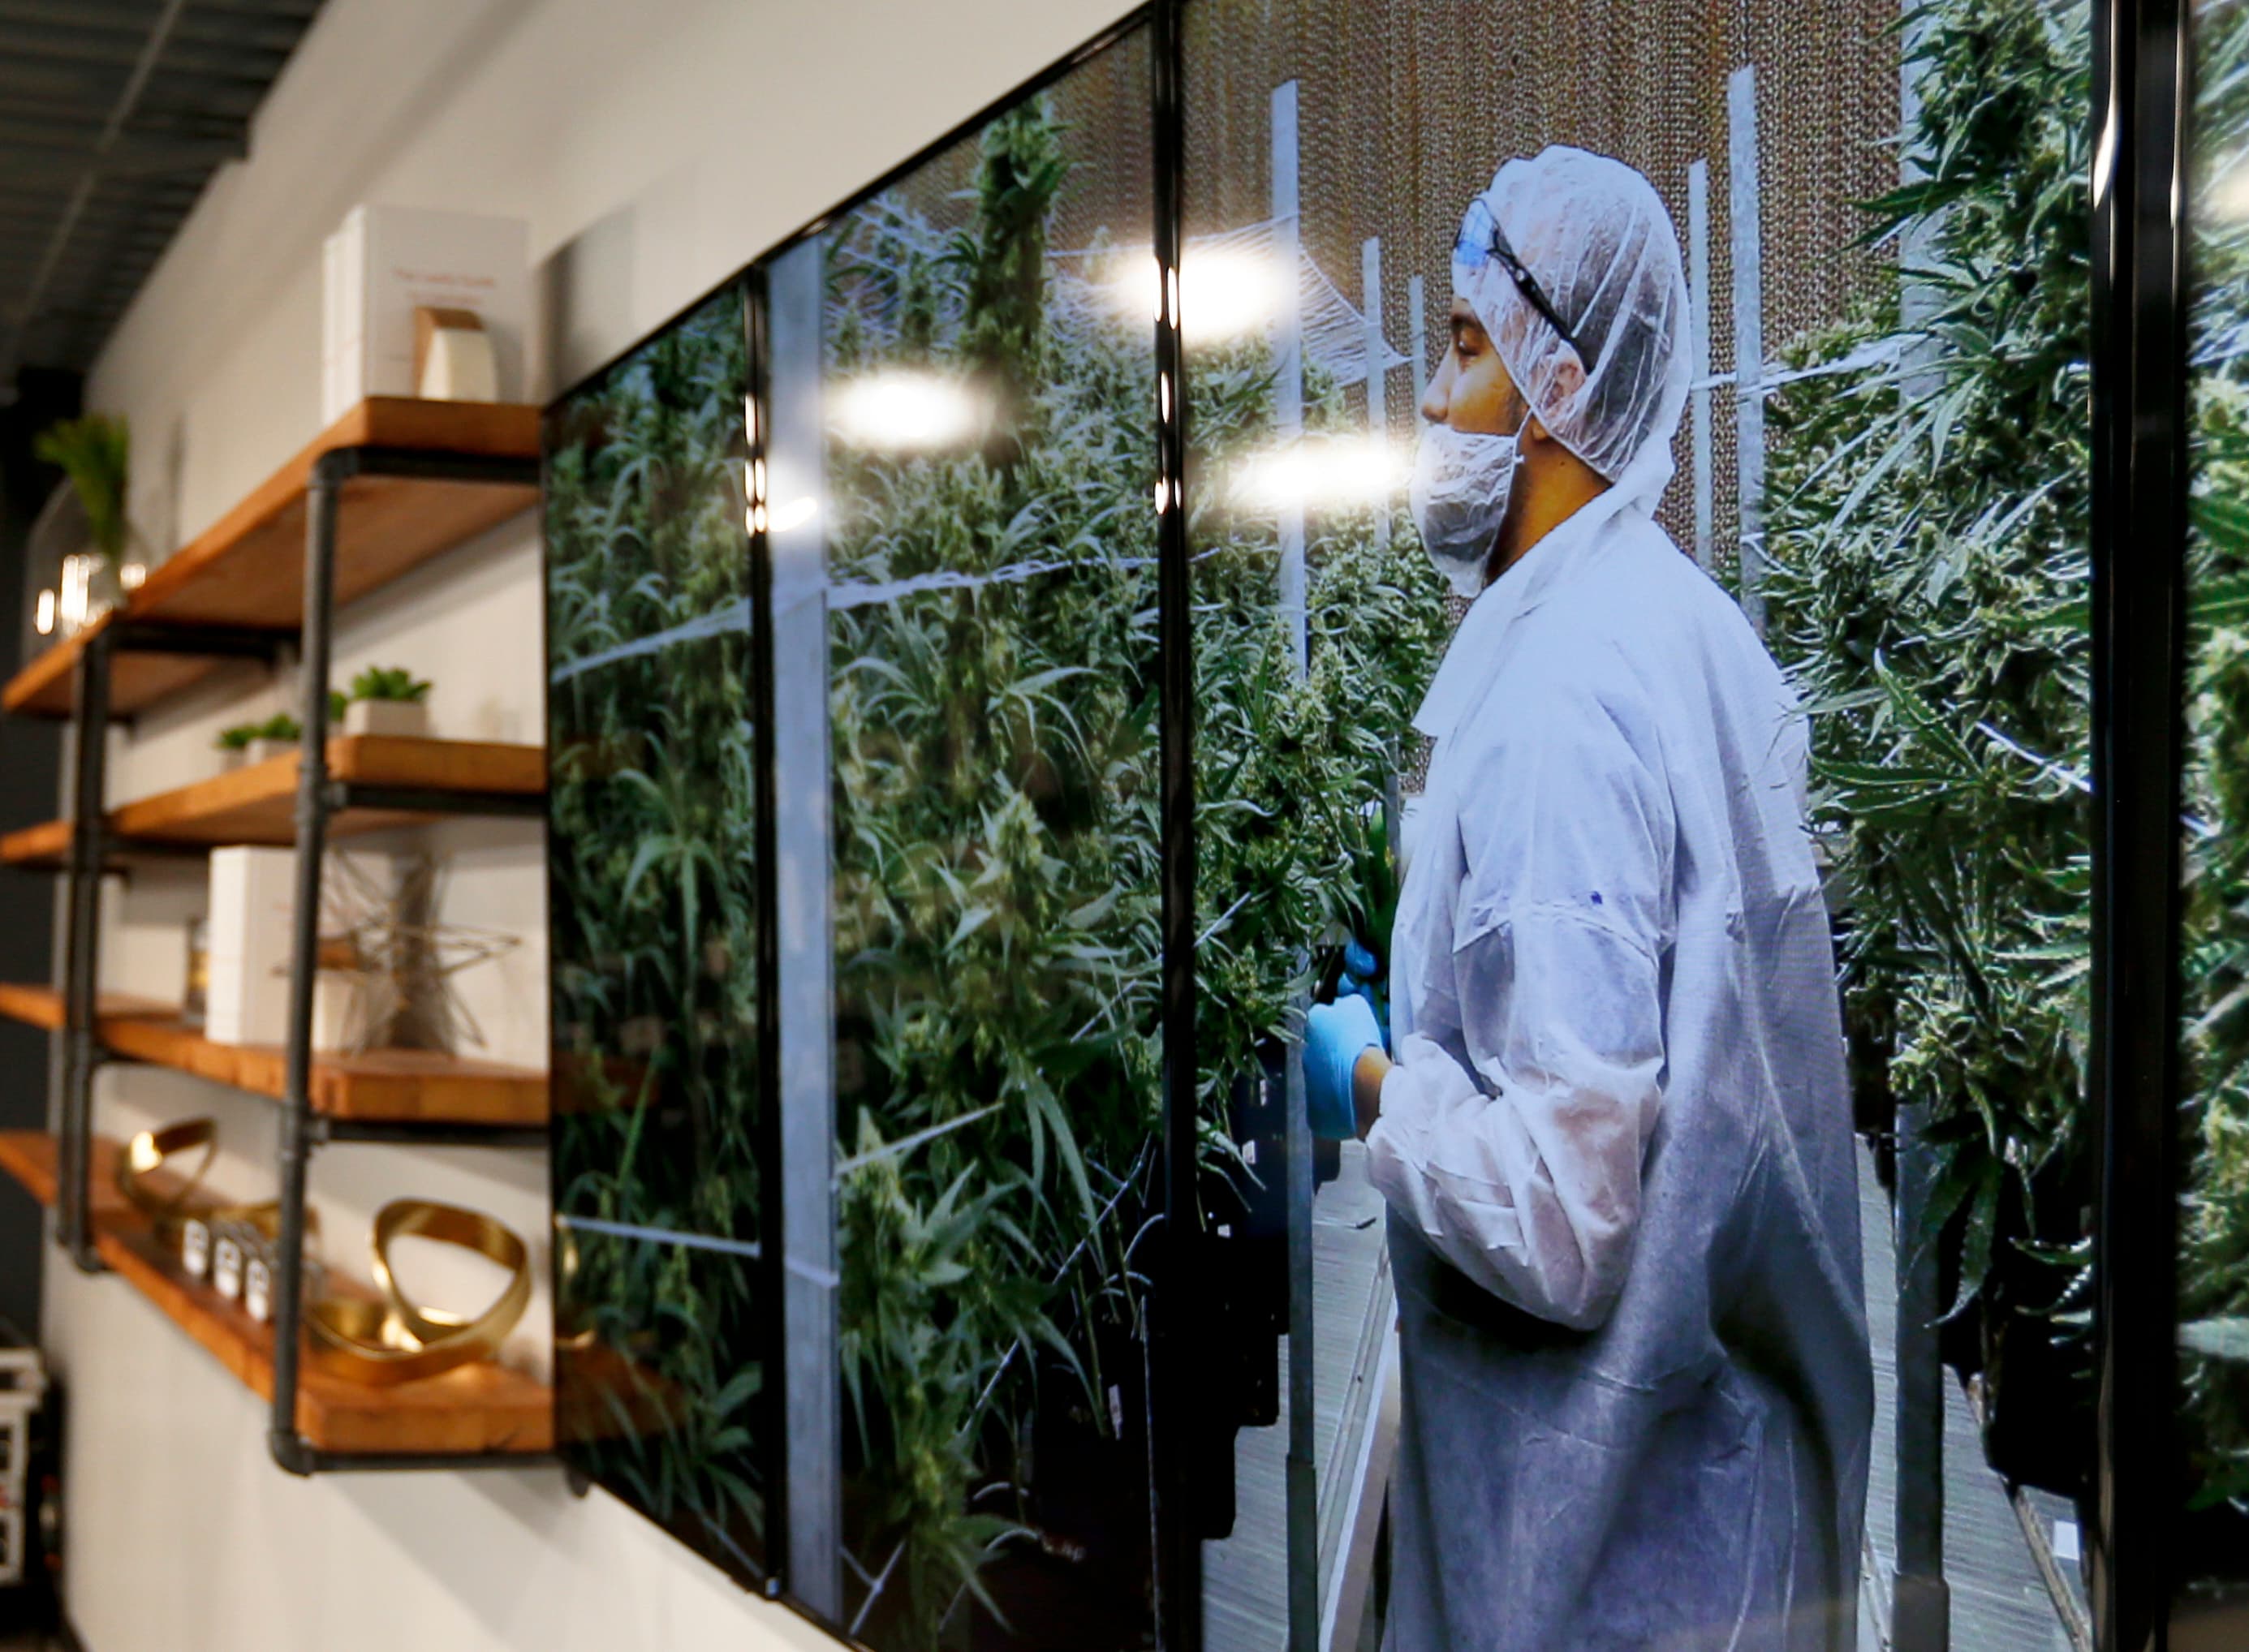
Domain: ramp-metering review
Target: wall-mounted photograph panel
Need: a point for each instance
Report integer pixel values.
(962, 398)
(1637, 530)
(1637, 501)
(661, 1344)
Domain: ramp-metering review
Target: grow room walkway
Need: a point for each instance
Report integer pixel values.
(2000, 1603)
(1245, 1578)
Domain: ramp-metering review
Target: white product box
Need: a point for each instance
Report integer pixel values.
(384, 263)
(252, 891)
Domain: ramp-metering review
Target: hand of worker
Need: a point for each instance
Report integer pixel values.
(1360, 967)
(1336, 1035)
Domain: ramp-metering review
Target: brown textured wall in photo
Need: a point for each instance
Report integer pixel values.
(1406, 110)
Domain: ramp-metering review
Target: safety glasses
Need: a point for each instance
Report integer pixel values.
(1480, 241)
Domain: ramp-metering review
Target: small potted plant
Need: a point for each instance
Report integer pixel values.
(278, 735)
(387, 700)
(234, 744)
(92, 453)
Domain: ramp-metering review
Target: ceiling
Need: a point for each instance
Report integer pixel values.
(114, 115)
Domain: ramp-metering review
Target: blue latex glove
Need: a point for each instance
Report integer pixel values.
(1359, 969)
(1336, 1035)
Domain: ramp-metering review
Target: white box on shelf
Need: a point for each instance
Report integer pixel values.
(252, 891)
(384, 262)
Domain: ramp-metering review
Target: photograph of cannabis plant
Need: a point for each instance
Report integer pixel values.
(1928, 536)
(990, 402)
(659, 1364)
(2214, 1263)
(1930, 590)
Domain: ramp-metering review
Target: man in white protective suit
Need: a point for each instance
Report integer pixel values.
(1614, 1130)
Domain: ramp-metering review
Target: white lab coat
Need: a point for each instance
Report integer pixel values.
(1616, 1144)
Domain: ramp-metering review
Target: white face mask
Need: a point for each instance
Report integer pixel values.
(1461, 480)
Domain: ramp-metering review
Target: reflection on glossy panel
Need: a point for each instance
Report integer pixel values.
(652, 855)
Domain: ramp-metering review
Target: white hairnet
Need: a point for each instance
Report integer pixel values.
(1594, 234)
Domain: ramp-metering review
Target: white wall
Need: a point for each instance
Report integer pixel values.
(654, 146)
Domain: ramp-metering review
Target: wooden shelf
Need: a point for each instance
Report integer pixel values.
(44, 845)
(248, 569)
(29, 1156)
(258, 804)
(43, 1006)
(476, 1409)
(378, 1086)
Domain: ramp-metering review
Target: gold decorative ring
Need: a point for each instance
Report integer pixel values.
(151, 1151)
(396, 1340)
(472, 1231)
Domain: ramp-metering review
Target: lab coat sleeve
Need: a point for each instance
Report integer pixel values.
(1523, 1166)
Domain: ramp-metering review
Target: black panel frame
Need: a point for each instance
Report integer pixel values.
(2138, 610)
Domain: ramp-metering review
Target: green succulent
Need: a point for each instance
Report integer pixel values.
(394, 683)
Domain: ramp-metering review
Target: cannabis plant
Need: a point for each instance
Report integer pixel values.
(1293, 761)
(994, 742)
(1930, 535)
(2215, 1264)
(651, 844)
(994, 732)
(1927, 535)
